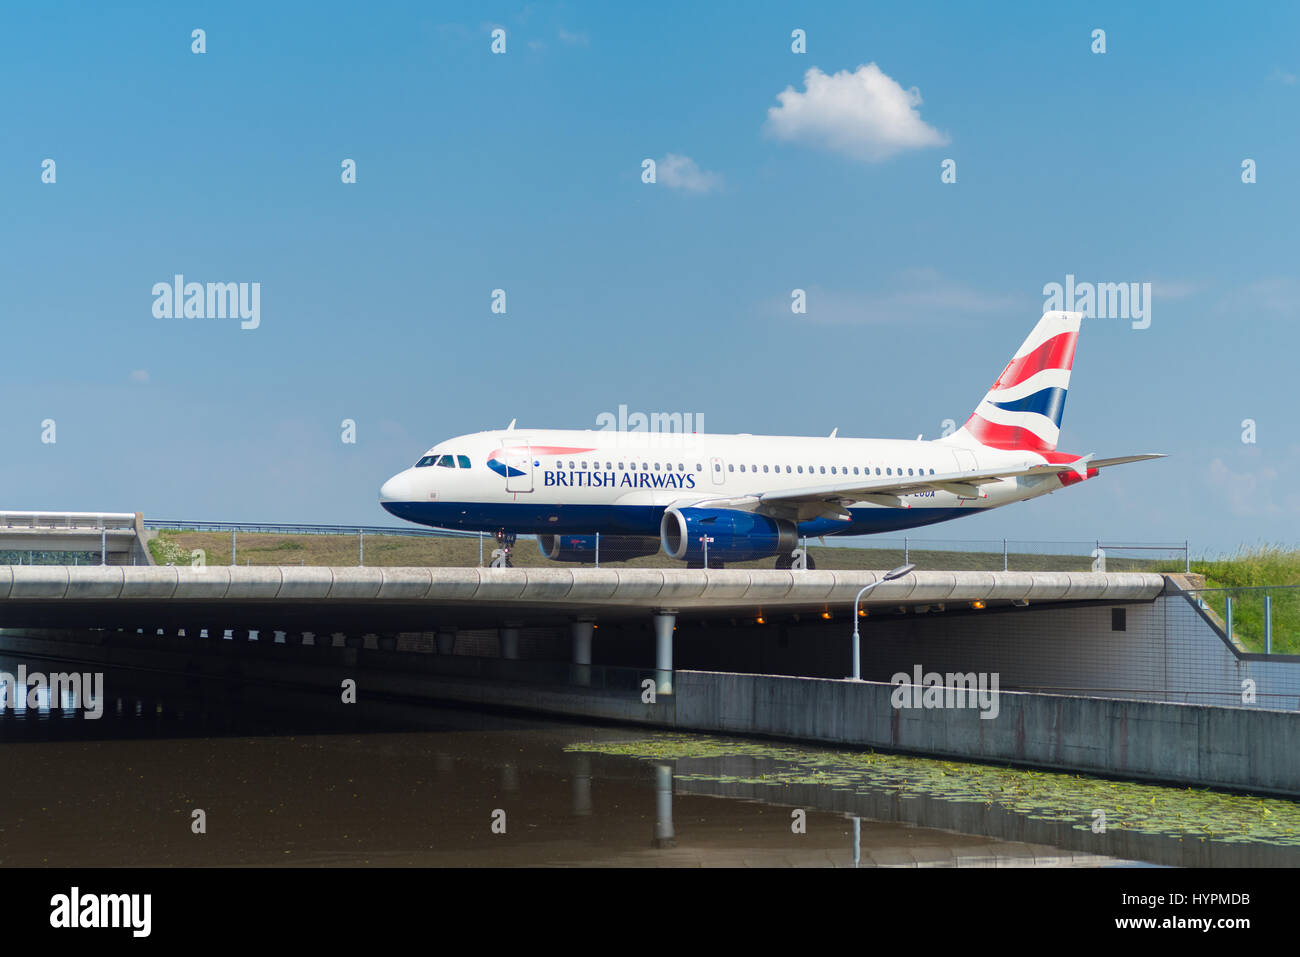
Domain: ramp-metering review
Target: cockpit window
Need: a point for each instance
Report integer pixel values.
(425, 461)
(462, 461)
(447, 462)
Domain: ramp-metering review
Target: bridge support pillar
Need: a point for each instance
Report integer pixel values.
(665, 622)
(446, 641)
(509, 637)
(582, 631)
(665, 836)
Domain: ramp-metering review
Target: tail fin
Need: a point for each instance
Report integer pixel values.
(1023, 409)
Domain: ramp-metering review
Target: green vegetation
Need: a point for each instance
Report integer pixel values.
(1244, 574)
(1185, 814)
(259, 548)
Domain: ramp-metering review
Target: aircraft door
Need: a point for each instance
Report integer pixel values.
(717, 470)
(518, 459)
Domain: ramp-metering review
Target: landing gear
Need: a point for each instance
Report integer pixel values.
(501, 554)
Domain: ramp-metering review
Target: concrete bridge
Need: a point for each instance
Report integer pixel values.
(117, 538)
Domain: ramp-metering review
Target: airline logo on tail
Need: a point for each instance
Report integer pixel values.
(1023, 408)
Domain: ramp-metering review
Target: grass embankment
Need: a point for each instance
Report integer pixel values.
(259, 548)
(1244, 574)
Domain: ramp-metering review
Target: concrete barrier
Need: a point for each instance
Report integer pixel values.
(1240, 748)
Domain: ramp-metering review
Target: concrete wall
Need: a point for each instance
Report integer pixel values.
(1167, 652)
(1242, 748)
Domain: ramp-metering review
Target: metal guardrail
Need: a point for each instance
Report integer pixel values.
(1248, 615)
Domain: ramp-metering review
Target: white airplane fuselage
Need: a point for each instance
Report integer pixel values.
(582, 482)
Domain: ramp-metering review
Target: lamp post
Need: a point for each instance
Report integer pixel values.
(889, 576)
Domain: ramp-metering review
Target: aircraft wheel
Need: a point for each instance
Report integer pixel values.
(783, 563)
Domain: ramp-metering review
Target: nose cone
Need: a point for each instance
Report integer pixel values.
(399, 488)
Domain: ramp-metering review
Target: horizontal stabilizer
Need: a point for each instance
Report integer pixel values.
(1125, 459)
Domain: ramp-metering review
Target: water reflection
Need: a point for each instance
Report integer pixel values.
(298, 778)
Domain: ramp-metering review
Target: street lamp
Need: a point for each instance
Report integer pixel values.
(898, 572)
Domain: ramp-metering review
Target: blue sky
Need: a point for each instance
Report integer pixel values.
(522, 171)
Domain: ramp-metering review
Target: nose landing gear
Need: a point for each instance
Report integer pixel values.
(501, 554)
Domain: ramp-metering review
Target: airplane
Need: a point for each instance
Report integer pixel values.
(745, 497)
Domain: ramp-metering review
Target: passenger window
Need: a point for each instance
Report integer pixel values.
(801, 470)
(742, 468)
(855, 470)
(462, 461)
(731, 468)
(823, 469)
(717, 467)
(889, 471)
(764, 469)
(656, 466)
(787, 469)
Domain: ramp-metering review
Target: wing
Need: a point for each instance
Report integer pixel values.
(832, 501)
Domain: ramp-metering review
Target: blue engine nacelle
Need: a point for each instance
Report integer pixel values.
(582, 548)
(735, 536)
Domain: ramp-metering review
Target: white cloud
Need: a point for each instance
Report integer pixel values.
(1285, 77)
(682, 172)
(1249, 493)
(916, 295)
(574, 39)
(140, 375)
(864, 114)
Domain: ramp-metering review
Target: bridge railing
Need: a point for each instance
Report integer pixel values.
(67, 520)
(224, 543)
(1260, 620)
